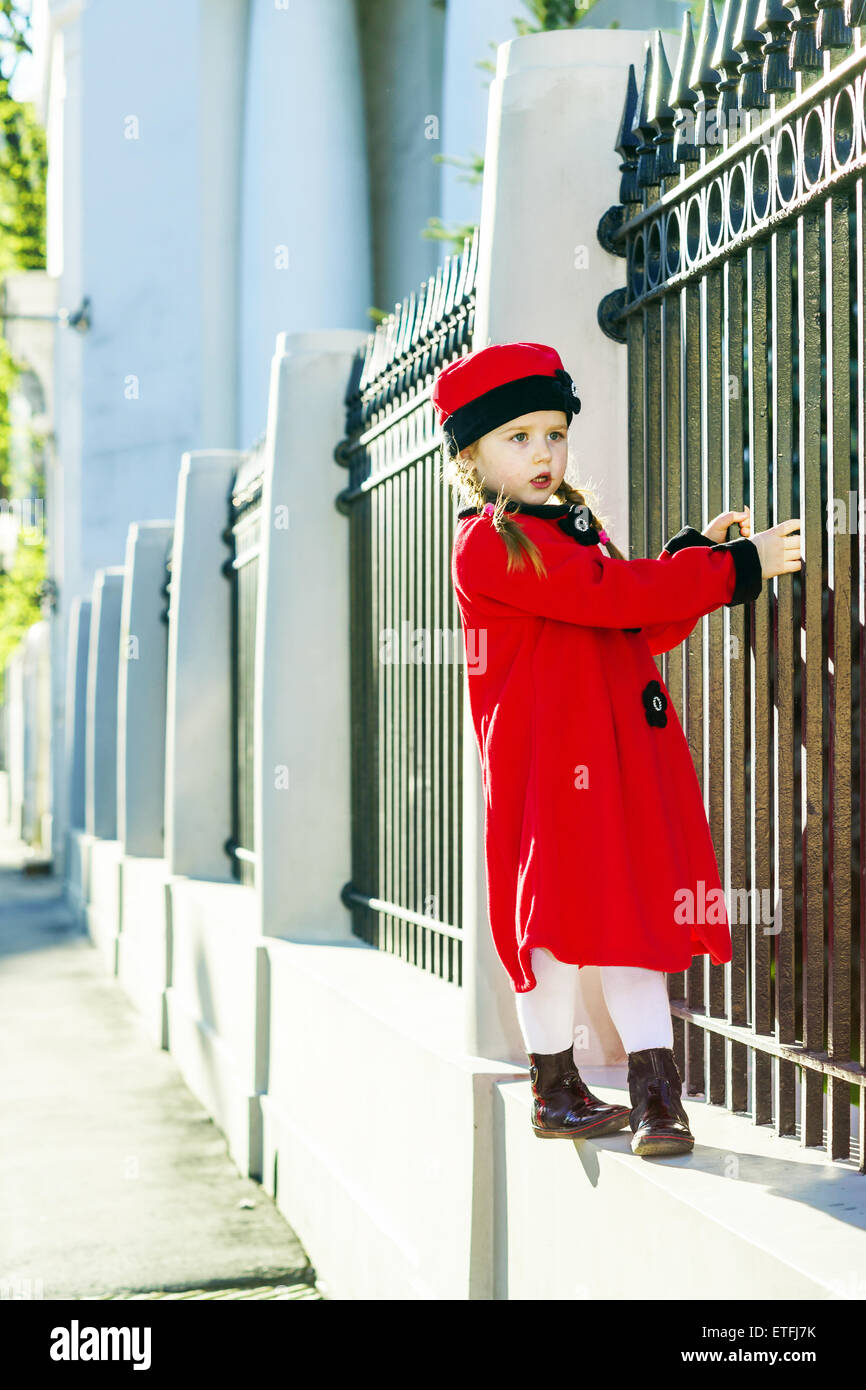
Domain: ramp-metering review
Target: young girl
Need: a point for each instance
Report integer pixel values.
(597, 846)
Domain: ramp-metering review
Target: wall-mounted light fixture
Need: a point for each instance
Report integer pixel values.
(48, 595)
(79, 319)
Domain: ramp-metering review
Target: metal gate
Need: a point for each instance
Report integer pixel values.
(406, 640)
(743, 227)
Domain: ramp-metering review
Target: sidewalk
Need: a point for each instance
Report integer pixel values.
(114, 1182)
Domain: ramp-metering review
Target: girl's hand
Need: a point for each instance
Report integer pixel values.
(779, 548)
(718, 528)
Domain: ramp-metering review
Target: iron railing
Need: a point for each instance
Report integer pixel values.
(743, 316)
(406, 641)
(165, 590)
(243, 536)
(165, 611)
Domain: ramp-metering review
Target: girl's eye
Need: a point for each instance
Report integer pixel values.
(521, 434)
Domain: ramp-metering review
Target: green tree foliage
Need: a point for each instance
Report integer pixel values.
(554, 14)
(20, 591)
(23, 169)
(697, 13)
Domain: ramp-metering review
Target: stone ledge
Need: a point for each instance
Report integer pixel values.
(771, 1218)
(411, 1001)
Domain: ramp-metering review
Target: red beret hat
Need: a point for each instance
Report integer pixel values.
(487, 388)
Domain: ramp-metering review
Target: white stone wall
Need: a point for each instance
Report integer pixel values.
(304, 258)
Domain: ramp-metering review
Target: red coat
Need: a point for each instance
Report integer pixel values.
(596, 840)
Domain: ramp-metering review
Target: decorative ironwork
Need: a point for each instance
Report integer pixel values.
(744, 320)
(610, 315)
(610, 223)
(405, 893)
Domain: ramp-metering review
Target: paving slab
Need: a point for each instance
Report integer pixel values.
(114, 1181)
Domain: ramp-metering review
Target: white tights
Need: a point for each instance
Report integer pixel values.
(636, 998)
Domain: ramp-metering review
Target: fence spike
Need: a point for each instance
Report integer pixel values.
(406, 326)
(774, 21)
(832, 31)
(462, 263)
(803, 54)
(683, 97)
(427, 318)
(420, 312)
(661, 113)
(752, 95)
(473, 262)
(642, 128)
(627, 143)
(452, 271)
(726, 61)
(704, 77)
(438, 356)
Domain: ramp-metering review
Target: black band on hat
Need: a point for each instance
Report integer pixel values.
(507, 402)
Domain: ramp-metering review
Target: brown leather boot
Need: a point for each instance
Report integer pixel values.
(657, 1116)
(563, 1107)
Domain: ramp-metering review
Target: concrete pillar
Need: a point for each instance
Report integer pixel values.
(39, 640)
(28, 760)
(76, 707)
(36, 813)
(158, 381)
(303, 686)
(141, 693)
(101, 739)
(14, 702)
(401, 59)
(304, 198)
(551, 170)
(215, 294)
(471, 28)
(198, 743)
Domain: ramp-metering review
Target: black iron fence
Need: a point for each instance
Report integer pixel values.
(743, 226)
(406, 639)
(243, 537)
(165, 591)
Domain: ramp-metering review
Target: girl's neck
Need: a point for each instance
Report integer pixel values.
(511, 504)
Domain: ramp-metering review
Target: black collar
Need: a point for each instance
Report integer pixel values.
(550, 510)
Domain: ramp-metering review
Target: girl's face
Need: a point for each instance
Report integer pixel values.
(527, 457)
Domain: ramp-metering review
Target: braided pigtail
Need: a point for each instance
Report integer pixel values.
(460, 474)
(572, 495)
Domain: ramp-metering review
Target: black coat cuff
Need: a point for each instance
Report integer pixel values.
(687, 535)
(748, 567)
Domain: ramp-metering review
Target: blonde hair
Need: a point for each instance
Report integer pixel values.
(460, 474)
